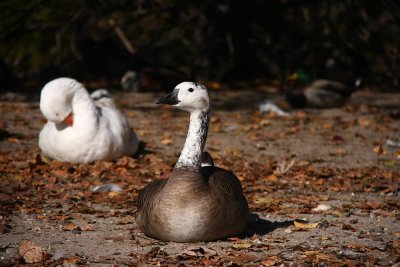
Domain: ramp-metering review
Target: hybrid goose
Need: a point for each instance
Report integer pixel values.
(79, 129)
(198, 201)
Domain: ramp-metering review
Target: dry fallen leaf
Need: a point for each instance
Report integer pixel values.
(387, 175)
(166, 140)
(113, 194)
(128, 220)
(30, 252)
(69, 262)
(305, 225)
(364, 122)
(272, 178)
(241, 245)
(270, 261)
(378, 149)
(13, 140)
(348, 227)
(86, 227)
(396, 246)
(70, 227)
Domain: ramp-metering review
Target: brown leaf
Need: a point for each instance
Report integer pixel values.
(327, 125)
(364, 122)
(387, 175)
(86, 227)
(305, 225)
(272, 178)
(241, 245)
(378, 149)
(357, 247)
(70, 227)
(69, 262)
(166, 140)
(310, 252)
(30, 252)
(4, 227)
(113, 194)
(128, 220)
(13, 140)
(348, 227)
(196, 251)
(270, 261)
(337, 138)
(396, 246)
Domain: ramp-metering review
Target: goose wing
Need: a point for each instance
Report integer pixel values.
(223, 183)
(102, 98)
(148, 192)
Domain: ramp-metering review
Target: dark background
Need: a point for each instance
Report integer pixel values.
(224, 41)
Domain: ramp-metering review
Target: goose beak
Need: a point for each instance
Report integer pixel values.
(170, 99)
(69, 120)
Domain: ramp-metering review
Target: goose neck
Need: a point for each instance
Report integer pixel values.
(85, 111)
(196, 138)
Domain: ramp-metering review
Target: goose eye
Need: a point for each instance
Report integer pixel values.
(190, 89)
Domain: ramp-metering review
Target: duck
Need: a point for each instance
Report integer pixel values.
(319, 93)
(80, 129)
(198, 201)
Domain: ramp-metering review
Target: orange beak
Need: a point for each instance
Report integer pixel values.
(69, 120)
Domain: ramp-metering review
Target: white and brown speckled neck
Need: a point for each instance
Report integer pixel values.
(196, 138)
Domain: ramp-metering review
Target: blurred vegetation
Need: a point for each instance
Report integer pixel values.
(218, 40)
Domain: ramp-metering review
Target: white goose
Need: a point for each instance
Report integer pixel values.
(79, 129)
(198, 202)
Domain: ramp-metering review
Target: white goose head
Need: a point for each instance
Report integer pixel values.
(56, 100)
(187, 96)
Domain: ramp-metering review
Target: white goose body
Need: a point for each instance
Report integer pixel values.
(78, 130)
(198, 202)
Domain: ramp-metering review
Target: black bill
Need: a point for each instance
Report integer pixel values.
(170, 99)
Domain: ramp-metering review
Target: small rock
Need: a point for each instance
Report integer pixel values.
(11, 252)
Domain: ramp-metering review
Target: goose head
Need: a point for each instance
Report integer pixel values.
(189, 96)
(56, 100)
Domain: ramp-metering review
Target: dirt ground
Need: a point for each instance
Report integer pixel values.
(289, 165)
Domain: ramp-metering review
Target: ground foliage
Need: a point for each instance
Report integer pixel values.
(225, 40)
(331, 198)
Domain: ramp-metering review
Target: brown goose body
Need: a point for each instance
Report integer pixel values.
(193, 206)
(195, 203)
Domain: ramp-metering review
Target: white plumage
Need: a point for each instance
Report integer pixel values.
(79, 129)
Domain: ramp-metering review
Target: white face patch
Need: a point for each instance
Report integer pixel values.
(192, 96)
